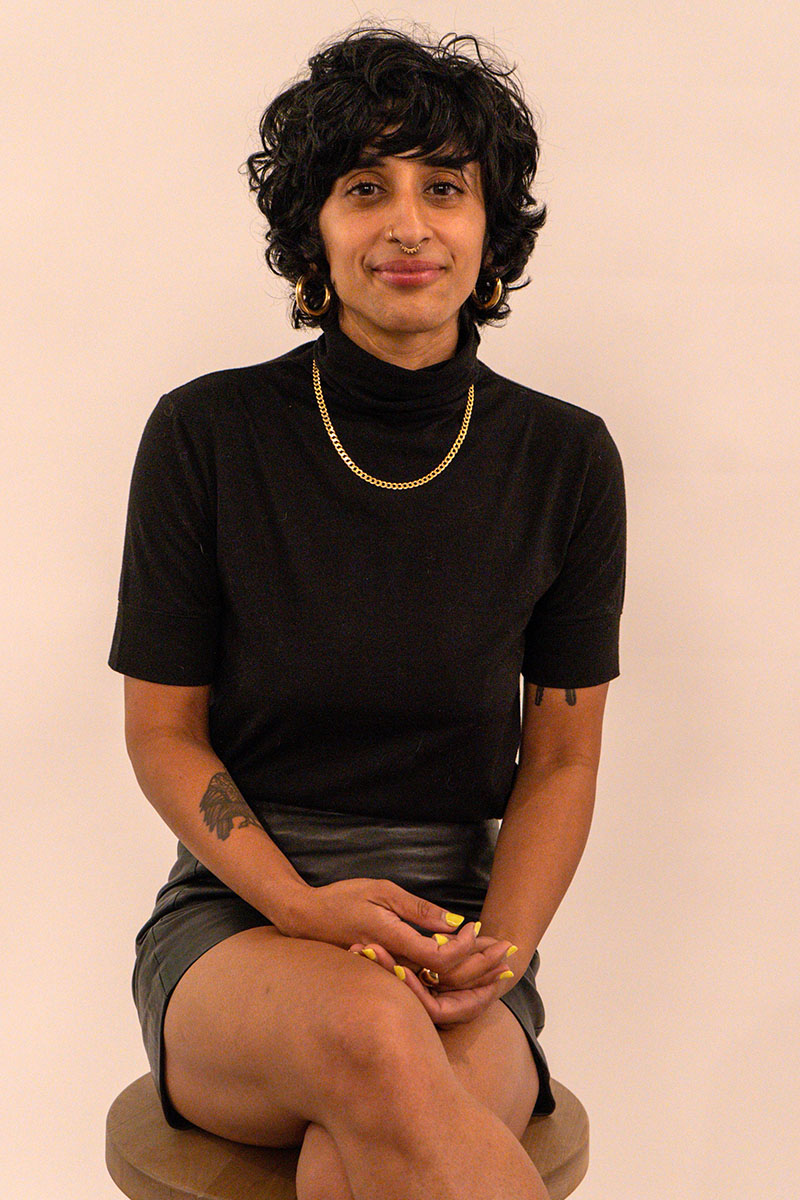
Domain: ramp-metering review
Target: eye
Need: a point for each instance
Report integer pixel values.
(368, 183)
(364, 183)
(447, 183)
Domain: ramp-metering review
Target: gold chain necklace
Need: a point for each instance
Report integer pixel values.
(382, 482)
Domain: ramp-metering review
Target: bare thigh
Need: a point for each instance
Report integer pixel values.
(492, 1058)
(262, 1033)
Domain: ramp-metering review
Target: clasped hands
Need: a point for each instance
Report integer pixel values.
(477, 974)
(376, 918)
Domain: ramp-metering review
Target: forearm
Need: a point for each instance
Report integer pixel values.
(193, 793)
(539, 846)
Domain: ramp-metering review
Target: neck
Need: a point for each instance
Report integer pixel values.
(410, 349)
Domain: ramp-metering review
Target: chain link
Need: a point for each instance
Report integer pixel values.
(383, 482)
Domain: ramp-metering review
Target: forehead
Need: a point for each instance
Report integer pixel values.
(370, 157)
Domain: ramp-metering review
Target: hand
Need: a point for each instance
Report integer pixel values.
(463, 991)
(378, 911)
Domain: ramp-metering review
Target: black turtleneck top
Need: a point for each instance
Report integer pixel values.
(364, 645)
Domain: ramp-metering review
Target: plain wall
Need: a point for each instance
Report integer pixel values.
(664, 297)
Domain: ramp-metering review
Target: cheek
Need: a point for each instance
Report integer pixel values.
(341, 249)
(472, 255)
(473, 239)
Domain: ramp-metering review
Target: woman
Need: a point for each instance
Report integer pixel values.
(337, 564)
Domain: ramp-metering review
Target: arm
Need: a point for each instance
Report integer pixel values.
(166, 732)
(548, 816)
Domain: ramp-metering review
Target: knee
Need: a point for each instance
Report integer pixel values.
(382, 1040)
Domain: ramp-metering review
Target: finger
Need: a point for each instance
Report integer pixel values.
(445, 1002)
(483, 964)
(462, 1005)
(451, 983)
(406, 975)
(378, 954)
(490, 943)
(496, 954)
(484, 942)
(381, 956)
(449, 948)
(447, 1008)
(403, 941)
(426, 997)
(473, 928)
(405, 971)
(438, 951)
(473, 1000)
(491, 949)
(412, 908)
(461, 960)
(454, 981)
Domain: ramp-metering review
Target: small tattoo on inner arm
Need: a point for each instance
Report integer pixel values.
(569, 695)
(222, 804)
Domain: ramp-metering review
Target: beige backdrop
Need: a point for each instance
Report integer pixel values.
(664, 297)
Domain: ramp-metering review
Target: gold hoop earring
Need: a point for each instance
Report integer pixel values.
(301, 300)
(493, 299)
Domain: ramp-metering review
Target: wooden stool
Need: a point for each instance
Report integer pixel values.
(149, 1160)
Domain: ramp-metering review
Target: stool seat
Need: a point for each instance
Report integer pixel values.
(149, 1160)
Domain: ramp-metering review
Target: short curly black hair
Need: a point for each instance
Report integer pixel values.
(314, 131)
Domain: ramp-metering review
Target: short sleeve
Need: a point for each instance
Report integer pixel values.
(169, 596)
(572, 638)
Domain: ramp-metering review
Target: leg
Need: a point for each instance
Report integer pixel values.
(265, 1034)
(490, 1056)
(215, 1057)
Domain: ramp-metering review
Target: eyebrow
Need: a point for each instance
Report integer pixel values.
(369, 158)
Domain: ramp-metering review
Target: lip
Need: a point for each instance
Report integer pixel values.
(406, 274)
(402, 266)
(409, 278)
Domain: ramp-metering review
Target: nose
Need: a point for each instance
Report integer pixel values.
(406, 216)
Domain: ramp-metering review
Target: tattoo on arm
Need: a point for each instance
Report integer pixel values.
(569, 695)
(222, 804)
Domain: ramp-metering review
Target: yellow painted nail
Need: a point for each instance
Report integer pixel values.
(399, 972)
(441, 938)
(478, 927)
(511, 950)
(369, 954)
(453, 918)
(506, 975)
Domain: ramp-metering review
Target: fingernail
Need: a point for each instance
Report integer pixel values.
(441, 938)
(369, 954)
(453, 918)
(478, 927)
(506, 975)
(399, 972)
(511, 950)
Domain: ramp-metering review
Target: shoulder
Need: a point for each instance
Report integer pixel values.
(199, 402)
(556, 426)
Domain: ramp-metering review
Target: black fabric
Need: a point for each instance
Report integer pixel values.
(364, 644)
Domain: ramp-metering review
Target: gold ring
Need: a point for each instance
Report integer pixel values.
(428, 976)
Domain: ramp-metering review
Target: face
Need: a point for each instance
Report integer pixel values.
(442, 209)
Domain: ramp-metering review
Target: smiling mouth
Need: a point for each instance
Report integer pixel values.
(409, 275)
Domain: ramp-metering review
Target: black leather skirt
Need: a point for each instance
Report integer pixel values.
(446, 863)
